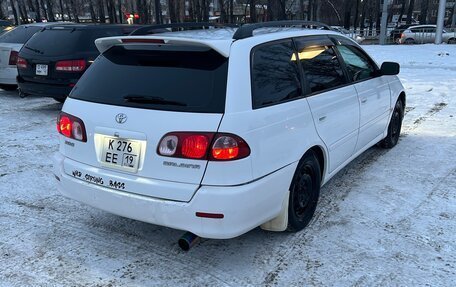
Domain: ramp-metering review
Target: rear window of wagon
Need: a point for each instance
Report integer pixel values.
(183, 78)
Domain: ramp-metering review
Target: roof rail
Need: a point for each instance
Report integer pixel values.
(162, 28)
(246, 30)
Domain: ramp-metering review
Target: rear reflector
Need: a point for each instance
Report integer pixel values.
(13, 58)
(156, 41)
(70, 66)
(71, 127)
(210, 215)
(21, 63)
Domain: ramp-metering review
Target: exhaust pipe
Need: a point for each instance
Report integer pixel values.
(188, 240)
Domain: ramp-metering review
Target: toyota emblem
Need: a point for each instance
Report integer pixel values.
(121, 118)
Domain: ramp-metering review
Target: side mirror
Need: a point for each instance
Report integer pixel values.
(389, 68)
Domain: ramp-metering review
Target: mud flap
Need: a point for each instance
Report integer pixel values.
(280, 222)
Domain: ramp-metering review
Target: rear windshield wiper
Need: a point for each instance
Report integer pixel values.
(152, 100)
(34, 50)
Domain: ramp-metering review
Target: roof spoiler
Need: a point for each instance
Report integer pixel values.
(103, 44)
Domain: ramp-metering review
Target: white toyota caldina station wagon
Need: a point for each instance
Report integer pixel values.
(219, 131)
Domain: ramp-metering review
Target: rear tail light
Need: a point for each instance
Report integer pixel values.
(13, 58)
(206, 146)
(72, 127)
(71, 66)
(21, 63)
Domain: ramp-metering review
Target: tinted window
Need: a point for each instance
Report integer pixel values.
(19, 34)
(156, 77)
(321, 66)
(275, 75)
(359, 67)
(63, 41)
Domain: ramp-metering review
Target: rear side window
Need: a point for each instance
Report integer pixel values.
(188, 79)
(321, 66)
(275, 75)
(19, 35)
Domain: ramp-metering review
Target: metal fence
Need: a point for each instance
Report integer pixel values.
(394, 36)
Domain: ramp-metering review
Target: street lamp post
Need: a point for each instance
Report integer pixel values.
(440, 20)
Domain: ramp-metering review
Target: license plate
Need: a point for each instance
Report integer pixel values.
(41, 70)
(121, 153)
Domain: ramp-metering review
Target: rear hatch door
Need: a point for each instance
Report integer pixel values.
(133, 95)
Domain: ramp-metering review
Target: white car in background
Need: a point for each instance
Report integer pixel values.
(218, 133)
(10, 44)
(358, 38)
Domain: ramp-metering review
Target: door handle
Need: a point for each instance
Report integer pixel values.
(322, 118)
(363, 100)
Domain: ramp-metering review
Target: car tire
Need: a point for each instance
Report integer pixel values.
(452, 41)
(8, 87)
(304, 192)
(409, 41)
(394, 127)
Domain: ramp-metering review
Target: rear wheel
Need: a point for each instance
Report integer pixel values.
(409, 41)
(452, 41)
(8, 87)
(394, 127)
(304, 192)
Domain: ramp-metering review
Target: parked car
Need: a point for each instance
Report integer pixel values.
(422, 34)
(218, 133)
(396, 33)
(54, 59)
(358, 38)
(5, 26)
(10, 44)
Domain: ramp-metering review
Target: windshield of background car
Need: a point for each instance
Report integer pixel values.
(19, 35)
(159, 77)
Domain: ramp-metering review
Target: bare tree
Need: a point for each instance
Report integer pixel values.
(410, 11)
(347, 13)
(424, 11)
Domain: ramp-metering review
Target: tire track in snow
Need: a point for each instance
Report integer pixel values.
(81, 232)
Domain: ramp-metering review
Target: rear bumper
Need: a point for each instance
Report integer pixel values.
(43, 89)
(8, 75)
(244, 207)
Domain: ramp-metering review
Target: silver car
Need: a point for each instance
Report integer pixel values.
(422, 34)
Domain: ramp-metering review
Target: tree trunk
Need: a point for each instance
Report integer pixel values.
(410, 11)
(424, 11)
(50, 10)
(451, 20)
(43, 7)
(61, 11)
(37, 11)
(23, 12)
(363, 17)
(347, 13)
(355, 21)
(252, 11)
(15, 14)
(232, 11)
(101, 11)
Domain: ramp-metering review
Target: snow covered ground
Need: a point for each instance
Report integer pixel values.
(389, 218)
